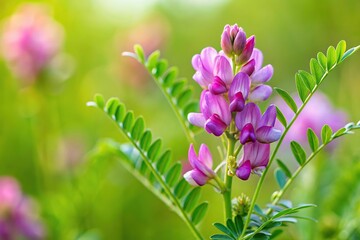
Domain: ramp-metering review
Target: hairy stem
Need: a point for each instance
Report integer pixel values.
(228, 179)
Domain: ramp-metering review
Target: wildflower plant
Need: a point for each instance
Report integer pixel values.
(234, 82)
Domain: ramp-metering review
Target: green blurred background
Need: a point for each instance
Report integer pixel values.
(47, 133)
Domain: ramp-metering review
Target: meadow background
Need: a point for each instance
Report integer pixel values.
(47, 134)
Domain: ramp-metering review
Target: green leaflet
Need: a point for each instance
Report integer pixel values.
(287, 98)
(313, 140)
(298, 152)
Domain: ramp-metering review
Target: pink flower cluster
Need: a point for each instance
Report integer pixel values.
(30, 39)
(16, 213)
(233, 80)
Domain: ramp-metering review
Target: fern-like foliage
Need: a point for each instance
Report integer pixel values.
(147, 161)
(177, 91)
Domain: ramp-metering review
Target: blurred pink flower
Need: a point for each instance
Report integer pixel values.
(30, 39)
(17, 215)
(318, 112)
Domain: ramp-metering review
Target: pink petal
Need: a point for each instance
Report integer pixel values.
(258, 57)
(249, 67)
(263, 75)
(218, 86)
(260, 93)
(247, 134)
(238, 103)
(192, 156)
(223, 69)
(269, 117)
(205, 156)
(244, 170)
(215, 125)
(267, 134)
(196, 178)
(250, 114)
(241, 83)
(257, 153)
(196, 119)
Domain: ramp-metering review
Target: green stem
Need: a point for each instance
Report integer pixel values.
(228, 180)
(262, 178)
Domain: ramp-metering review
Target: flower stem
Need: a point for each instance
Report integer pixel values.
(228, 179)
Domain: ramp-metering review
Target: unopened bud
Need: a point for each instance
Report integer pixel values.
(241, 205)
(246, 53)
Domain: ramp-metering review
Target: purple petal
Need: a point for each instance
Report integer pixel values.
(198, 77)
(216, 104)
(218, 86)
(260, 93)
(257, 153)
(239, 42)
(250, 114)
(247, 134)
(226, 44)
(246, 53)
(244, 170)
(223, 69)
(215, 125)
(196, 62)
(192, 156)
(267, 134)
(238, 103)
(241, 83)
(196, 178)
(196, 119)
(258, 57)
(208, 56)
(263, 75)
(205, 156)
(269, 116)
(249, 67)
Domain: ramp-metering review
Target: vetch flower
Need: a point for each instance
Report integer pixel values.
(254, 159)
(30, 39)
(202, 166)
(254, 127)
(16, 213)
(215, 115)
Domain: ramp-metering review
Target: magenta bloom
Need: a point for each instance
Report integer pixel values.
(254, 159)
(255, 127)
(30, 39)
(202, 166)
(16, 213)
(215, 115)
(318, 112)
(239, 91)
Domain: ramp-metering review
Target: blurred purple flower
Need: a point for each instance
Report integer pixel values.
(30, 39)
(254, 159)
(215, 115)
(16, 213)
(254, 127)
(201, 165)
(318, 112)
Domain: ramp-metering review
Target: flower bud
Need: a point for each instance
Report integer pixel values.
(246, 53)
(233, 40)
(241, 205)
